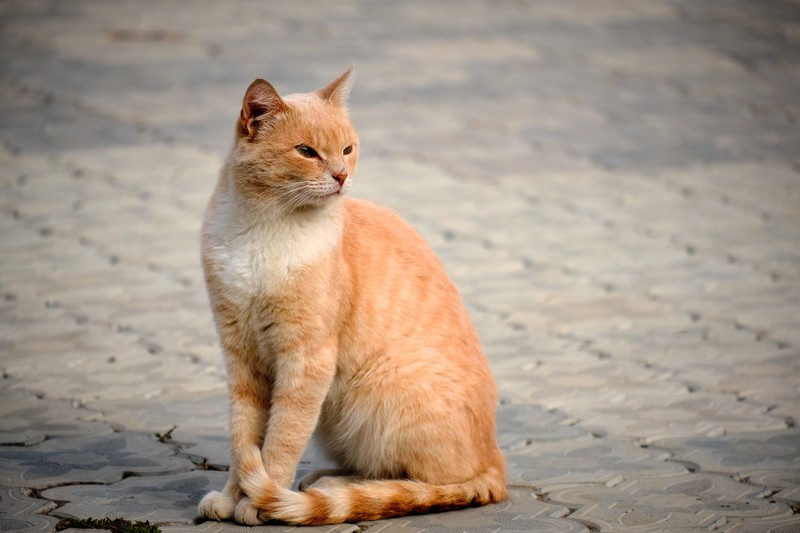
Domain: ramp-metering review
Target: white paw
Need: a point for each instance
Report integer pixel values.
(247, 514)
(217, 506)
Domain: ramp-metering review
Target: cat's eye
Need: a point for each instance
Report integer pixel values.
(306, 151)
(347, 150)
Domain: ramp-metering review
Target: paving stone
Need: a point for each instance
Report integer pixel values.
(189, 411)
(737, 453)
(26, 419)
(544, 465)
(87, 459)
(23, 514)
(157, 499)
(528, 424)
(210, 447)
(781, 484)
(700, 500)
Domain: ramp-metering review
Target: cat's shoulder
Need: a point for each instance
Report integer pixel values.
(369, 214)
(381, 227)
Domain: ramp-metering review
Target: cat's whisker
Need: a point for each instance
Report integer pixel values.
(299, 197)
(279, 202)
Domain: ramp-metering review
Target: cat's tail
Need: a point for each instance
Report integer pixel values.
(345, 500)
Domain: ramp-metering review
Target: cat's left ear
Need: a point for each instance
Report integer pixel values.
(261, 102)
(339, 89)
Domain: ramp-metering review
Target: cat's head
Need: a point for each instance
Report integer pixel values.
(296, 151)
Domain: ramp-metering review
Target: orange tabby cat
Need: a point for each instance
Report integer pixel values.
(334, 314)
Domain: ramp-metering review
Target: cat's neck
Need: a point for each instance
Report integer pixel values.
(268, 215)
(256, 248)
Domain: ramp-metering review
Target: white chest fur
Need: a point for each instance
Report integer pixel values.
(255, 256)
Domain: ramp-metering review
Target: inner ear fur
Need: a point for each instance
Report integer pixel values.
(261, 101)
(339, 89)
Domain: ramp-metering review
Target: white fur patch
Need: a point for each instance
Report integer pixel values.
(294, 507)
(255, 253)
(340, 501)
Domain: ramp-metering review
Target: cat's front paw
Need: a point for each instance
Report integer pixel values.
(217, 506)
(247, 514)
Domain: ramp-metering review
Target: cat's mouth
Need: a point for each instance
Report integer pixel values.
(338, 191)
(330, 195)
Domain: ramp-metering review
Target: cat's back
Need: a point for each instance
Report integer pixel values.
(400, 287)
(374, 232)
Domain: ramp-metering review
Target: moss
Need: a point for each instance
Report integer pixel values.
(115, 525)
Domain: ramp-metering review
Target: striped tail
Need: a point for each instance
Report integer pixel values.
(353, 501)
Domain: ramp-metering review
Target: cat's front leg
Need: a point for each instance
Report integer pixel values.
(249, 408)
(302, 380)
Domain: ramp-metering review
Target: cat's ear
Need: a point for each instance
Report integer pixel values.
(339, 89)
(261, 102)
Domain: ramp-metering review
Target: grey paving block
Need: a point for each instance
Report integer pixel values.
(600, 460)
(778, 483)
(738, 453)
(27, 419)
(529, 423)
(170, 498)
(625, 398)
(210, 447)
(192, 411)
(21, 513)
(91, 459)
(694, 500)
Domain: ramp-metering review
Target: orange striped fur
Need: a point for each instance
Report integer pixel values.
(333, 314)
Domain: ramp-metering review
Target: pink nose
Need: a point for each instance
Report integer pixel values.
(341, 176)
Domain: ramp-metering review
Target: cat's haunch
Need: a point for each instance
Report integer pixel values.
(334, 314)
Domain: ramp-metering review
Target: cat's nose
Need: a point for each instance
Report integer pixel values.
(340, 176)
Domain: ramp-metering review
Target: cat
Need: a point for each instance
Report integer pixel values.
(334, 314)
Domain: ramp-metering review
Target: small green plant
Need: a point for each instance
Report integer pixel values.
(115, 525)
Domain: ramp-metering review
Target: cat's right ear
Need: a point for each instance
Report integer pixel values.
(339, 89)
(261, 103)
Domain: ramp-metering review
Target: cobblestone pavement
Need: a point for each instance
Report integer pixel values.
(614, 186)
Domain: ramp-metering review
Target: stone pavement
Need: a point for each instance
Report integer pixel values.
(614, 186)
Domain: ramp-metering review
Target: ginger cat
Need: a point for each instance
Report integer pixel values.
(334, 313)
